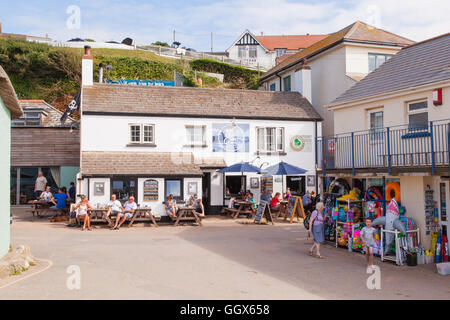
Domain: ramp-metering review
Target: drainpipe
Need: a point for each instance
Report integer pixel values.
(280, 81)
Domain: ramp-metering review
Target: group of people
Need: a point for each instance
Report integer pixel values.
(114, 206)
(194, 201)
(316, 229)
(59, 200)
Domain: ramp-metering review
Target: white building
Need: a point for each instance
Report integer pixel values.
(400, 130)
(151, 142)
(337, 62)
(267, 51)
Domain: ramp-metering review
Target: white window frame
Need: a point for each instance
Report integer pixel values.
(280, 51)
(195, 143)
(142, 127)
(275, 139)
(419, 111)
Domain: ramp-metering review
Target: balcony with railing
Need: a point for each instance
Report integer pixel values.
(399, 148)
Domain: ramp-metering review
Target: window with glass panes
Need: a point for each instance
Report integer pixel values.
(273, 87)
(242, 52)
(376, 60)
(418, 115)
(142, 133)
(252, 52)
(287, 83)
(195, 135)
(270, 139)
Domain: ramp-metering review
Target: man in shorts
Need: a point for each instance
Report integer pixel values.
(114, 207)
(128, 210)
(40, 185)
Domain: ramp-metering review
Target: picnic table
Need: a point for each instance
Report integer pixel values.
(284, 206)
(38, 207)
(140, 215)
(245, 207)
(187, 213)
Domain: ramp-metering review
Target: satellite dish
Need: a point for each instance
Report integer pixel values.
(128, 41)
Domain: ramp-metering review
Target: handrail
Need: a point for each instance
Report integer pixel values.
(388, 148)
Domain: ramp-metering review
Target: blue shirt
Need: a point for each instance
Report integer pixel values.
(305, 200)
(60, 200)
(266, 198)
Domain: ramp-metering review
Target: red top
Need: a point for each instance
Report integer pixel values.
(274, 202)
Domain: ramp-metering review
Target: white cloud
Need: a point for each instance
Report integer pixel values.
(155, 20)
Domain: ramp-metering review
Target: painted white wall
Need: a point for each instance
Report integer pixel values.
(5, 171)
(264, 58)
(170, 137)
(101, 200)
(87, 71)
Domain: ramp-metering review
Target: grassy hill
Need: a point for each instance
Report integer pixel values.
(39, 71)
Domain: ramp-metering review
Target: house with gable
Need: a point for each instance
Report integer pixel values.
(265, 51)
(329, 67)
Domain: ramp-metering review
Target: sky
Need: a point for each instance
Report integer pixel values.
(194, 20)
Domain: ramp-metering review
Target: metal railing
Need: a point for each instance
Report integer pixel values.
(388, 148)
(192, 55)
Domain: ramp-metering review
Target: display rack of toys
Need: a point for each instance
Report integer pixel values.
(430, 209)
(403, 245)
(344, 215)
(329, 223)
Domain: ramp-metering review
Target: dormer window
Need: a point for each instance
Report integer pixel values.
(30, 118)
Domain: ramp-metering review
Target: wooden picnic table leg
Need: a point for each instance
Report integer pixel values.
(153, 220)
(197, 218)
(236, 215)
(181, 214)
(132, 219)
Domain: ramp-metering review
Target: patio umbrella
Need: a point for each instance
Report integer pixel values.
(284, 169)
(241, 167)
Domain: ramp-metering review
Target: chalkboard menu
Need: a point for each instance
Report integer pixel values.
(151, 190)
(263, 210)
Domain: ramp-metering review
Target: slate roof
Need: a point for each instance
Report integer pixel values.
(197, 102)
(419, 64)
(290, 42)
(356, 32)
(8, 95)
(138, 163)
(53, 117)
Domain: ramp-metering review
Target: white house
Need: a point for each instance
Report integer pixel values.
(9, 109)
(337, 62)
(266, 51)
(156, 141)
(400, 132)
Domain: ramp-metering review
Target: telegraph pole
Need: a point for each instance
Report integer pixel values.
(174, 35)
(212, 43)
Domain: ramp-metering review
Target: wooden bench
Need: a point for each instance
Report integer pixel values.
(140, 215)
(186, 214)
(38, 208)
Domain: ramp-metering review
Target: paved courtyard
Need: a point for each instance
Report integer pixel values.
(224, 259)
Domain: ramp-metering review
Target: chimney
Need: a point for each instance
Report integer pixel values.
(87, 68)
(302, 81)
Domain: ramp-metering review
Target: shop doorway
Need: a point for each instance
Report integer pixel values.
(297, 185)
(206, 193)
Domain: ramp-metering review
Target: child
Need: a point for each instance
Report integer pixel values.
(252, 200)
(368, 240)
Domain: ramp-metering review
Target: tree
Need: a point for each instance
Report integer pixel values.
(160, 43)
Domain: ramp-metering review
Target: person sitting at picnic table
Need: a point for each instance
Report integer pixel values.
(46, 196)
(128, 210)
(288, 194)
(253, 201)
(82, 209)
(232, 203)
(198, 204)
(265, 196)
(114, 206)
(39, 185)
(171, 206)
(275, 203)
(59, 200)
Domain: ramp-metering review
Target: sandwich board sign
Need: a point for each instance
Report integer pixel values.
(295, 209)
(263, 211)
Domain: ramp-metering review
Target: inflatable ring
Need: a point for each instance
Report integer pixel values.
(393, 191)
(339, 186)
(373, 193)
